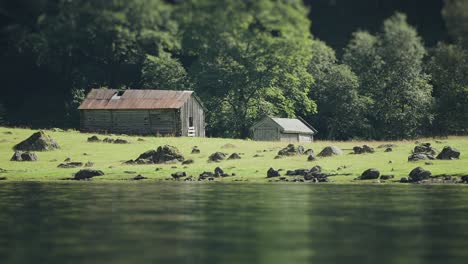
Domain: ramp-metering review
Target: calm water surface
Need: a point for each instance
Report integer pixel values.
(231, 223)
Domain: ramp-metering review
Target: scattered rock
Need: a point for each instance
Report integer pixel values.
(3, 178)
(258, 156)
(370, 174)
(108, 140)
(164, 154)
(425, 148)
(363, 149)
(234, 156)
(38, 141)
(85, 154)
(205, 175)
(121, 141)
(311, 158)
(217, 157)
(309, 152)
(70, 165)
(140, 140)
(418, 174)
(387, 146)
(139, 177)
(89, 164)
(449, 153)
(24, 156)
(187, 162)
(94, 139)
(464, 179)
(420, 156)
(330, 151)
(387, 177)
(67, 160)
(271, 173)
(178, 175)
(219, 172)
(429, 163)
(404, 180)
(87, 174)
(195, 150)
(291, 150)
(278, 157)
(389, 150)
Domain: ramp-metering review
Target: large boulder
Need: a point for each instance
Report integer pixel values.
(418, 174)
(94, 139)
(234, 156)
(291, 150)
(24, 156)
(370, 174)
(448, 153)
(217, 157)
(425, 148)
(363, 149)
(38, 141)
(420, 156)
(271, 173)
(87, 174)
(330, 151)
(164, 154)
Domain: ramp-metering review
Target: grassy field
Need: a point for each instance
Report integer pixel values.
(110, 157)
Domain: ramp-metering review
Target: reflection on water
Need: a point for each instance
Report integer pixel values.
(230, 223)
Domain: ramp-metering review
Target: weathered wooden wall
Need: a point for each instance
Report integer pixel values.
(143, 122)
(192, 108)
(266, 130)
(173, 122)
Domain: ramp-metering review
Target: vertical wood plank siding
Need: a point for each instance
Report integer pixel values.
(266, 131)
(192, 108)
(146, 122)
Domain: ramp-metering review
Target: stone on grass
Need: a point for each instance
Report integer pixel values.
(418, 174)
(178, 175)
(217, 157)
(370, 174)
(139, 177)
(420, 156)
(388, 149)
(24, 156)
(311, 158)
(94, 139)
(330, 151)
(164, 154)
(195, 150)
(271, 173)
(448, 153)
(87, 174)
(291, 150)
(38, 141)
(234, 156)
(363, 149)
(70, 165)
(187, 162)
(108, 140)
(89, 164)
(121, 141)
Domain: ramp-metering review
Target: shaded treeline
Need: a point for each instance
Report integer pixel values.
(386, 75)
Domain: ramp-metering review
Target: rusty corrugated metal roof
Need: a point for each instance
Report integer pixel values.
(135, 99)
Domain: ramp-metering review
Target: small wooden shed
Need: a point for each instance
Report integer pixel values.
(283, 129)
(143, 112)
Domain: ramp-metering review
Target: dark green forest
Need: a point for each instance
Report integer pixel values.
(364, 69)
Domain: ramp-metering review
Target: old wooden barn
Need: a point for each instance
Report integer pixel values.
(143, 112)
(283, 129)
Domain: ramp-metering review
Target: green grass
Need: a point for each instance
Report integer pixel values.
(110, 157)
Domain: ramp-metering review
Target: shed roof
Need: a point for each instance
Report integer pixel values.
(292, 125)
(108, 99)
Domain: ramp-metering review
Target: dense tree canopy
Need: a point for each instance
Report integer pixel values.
(389, 66)
(245, 59)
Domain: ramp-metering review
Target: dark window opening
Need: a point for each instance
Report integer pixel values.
(120, 93)
(190, 121)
